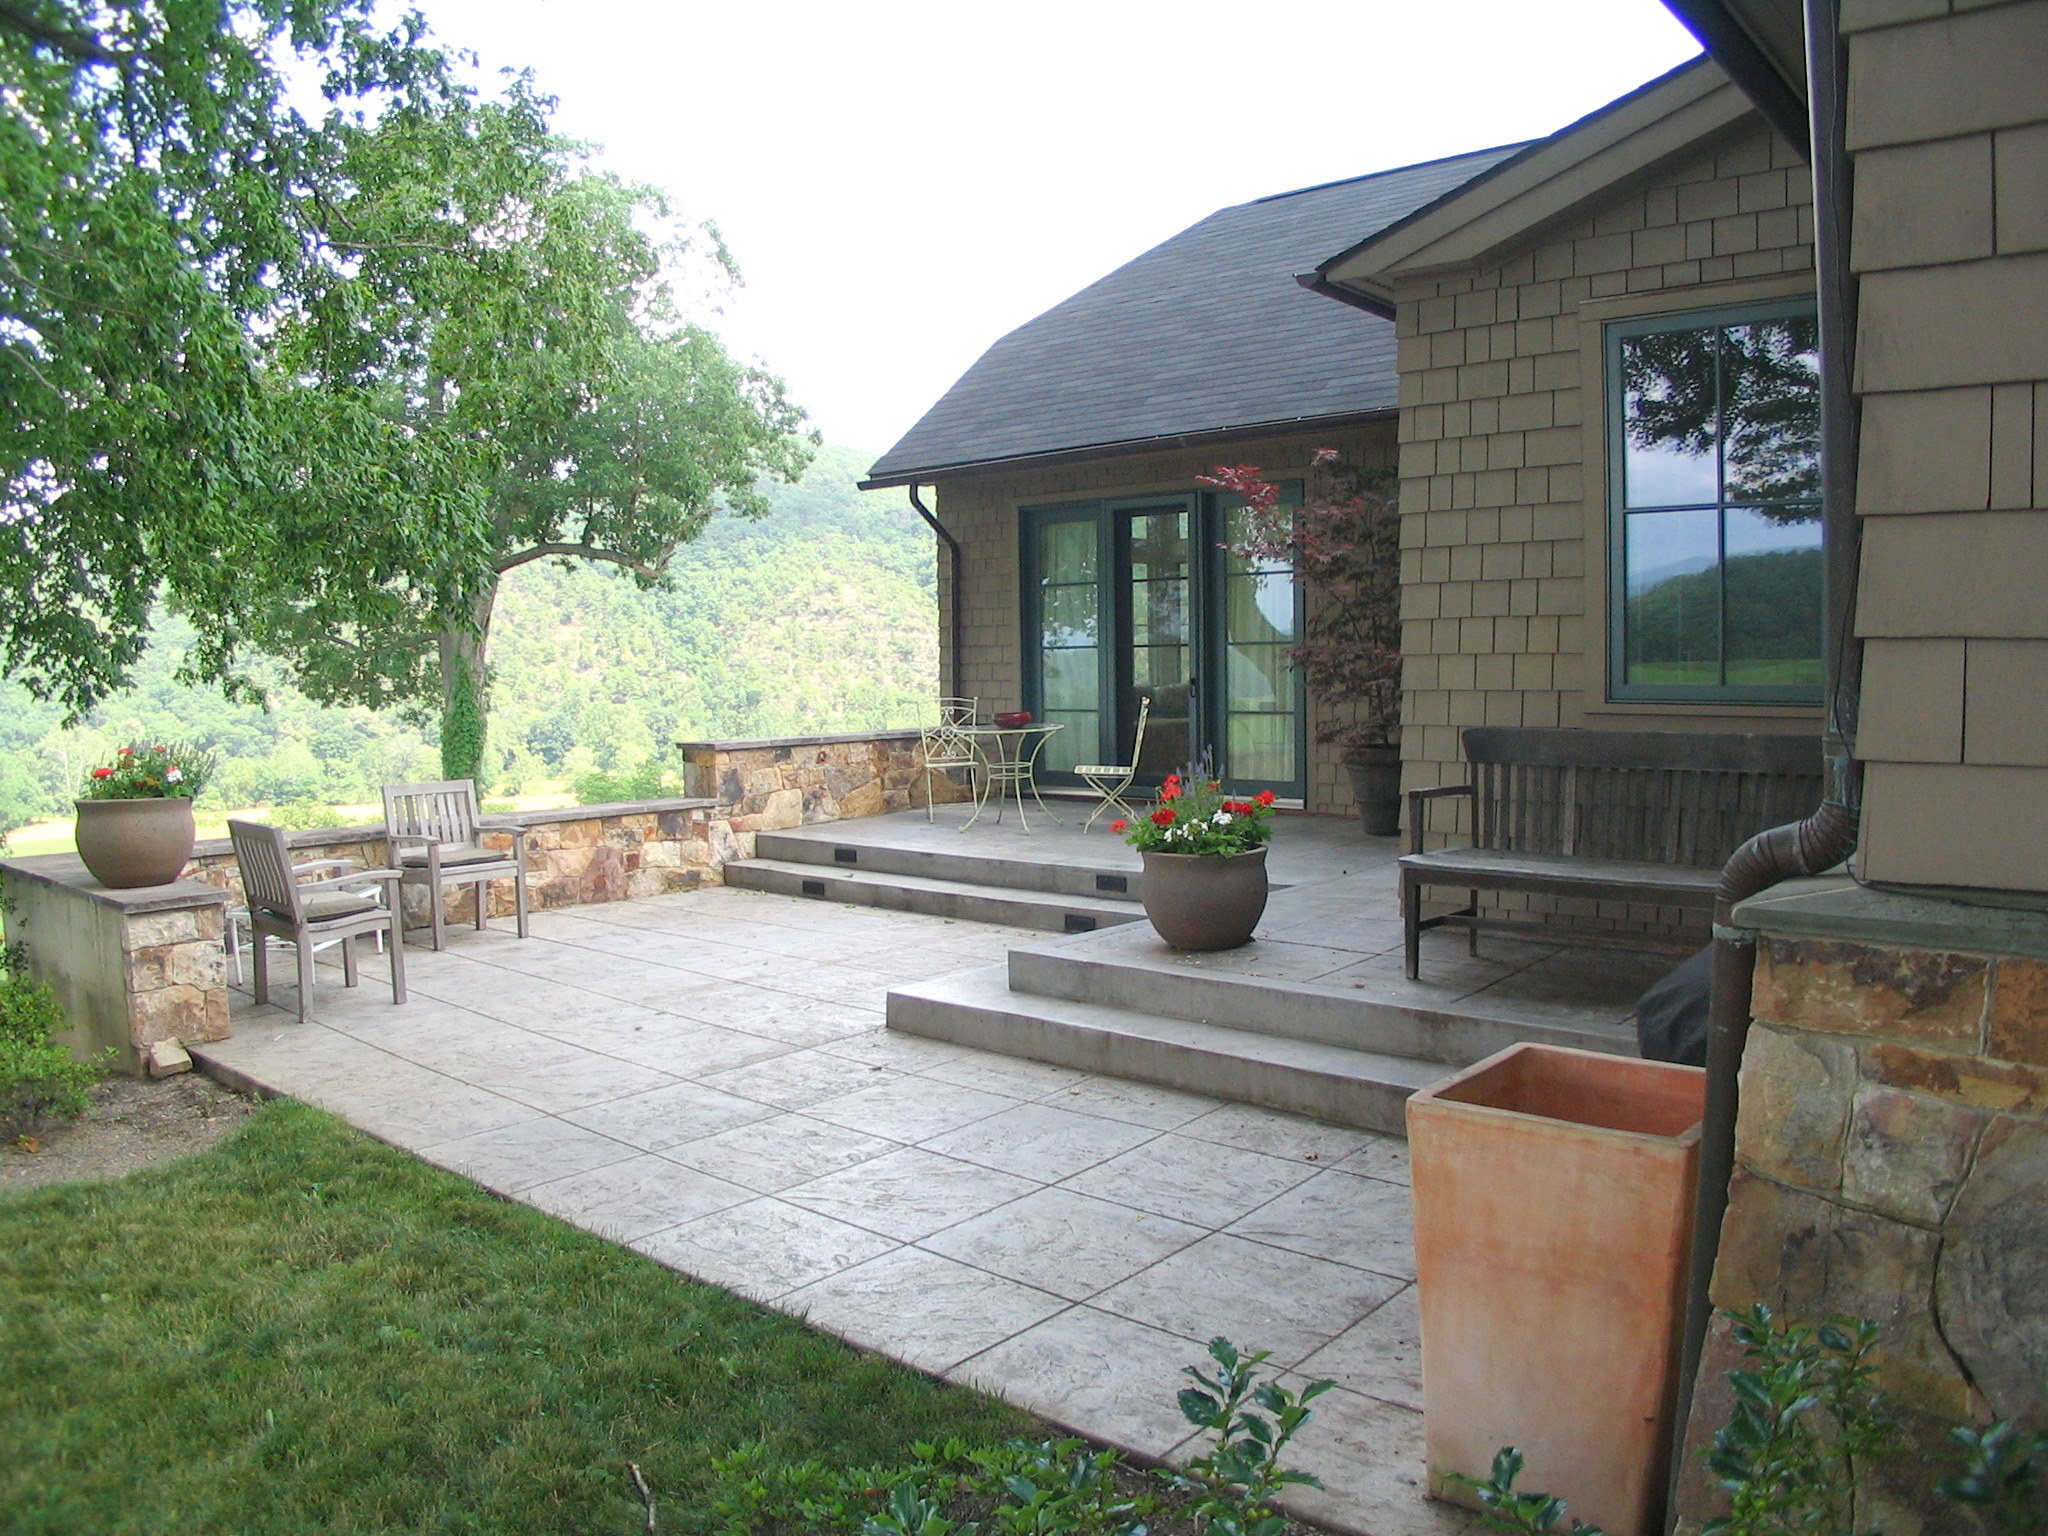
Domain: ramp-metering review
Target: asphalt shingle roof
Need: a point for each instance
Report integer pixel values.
(1203, 333)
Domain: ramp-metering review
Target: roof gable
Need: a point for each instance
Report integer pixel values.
(1207, 332)
(1576, 168)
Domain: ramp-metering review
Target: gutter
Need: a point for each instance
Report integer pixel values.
(1828, 836)
(1315, 282)
(957, 562)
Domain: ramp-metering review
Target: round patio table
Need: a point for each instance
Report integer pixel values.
(1009, 758)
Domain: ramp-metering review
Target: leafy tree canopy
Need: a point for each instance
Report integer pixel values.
(155, 187)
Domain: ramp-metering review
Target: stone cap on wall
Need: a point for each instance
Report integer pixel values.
(66, 871)
(1836, 907)
(761, 743)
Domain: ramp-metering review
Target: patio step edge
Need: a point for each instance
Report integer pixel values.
(976, 1008)
(1454, 1036)
(959, 899)
(1102, 880)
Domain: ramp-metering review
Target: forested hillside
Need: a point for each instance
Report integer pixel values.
(819, 617)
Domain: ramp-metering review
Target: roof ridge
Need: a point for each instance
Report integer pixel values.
(1392, 170)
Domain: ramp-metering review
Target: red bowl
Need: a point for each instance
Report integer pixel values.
(1010, 719)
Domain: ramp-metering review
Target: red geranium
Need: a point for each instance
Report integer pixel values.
(103, 773)
(1265, 797)
(1170, 790)
(1163, 817)
(1238, 807)
(1119, 826)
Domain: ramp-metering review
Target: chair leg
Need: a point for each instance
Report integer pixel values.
(348, 961)
(304, 946)
(1472, 930)
(483, 903)
(519, 900)
(259, 962)
(232, 939)
(397, 958)
(929, 786)
(1411, 925)
(440, 917)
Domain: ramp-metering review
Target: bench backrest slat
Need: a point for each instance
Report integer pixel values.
(1671, 797)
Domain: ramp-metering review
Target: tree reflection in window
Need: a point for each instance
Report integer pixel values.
(1718, 526)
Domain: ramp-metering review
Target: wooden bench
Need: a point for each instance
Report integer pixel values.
(1637, 816)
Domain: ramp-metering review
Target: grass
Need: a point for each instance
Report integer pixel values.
(303, 1330)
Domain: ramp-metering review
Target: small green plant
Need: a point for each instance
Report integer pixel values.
(2001, 1475)
(1506, 1509)
(1240, 1474)
(38, 1078)
(1807, 1415)
(174, 772)
(302, 816)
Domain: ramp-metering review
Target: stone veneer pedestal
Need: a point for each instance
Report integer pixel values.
(129, 967)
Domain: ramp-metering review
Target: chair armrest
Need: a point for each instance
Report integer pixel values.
(1417, 798)
(411, 837)
(342, 882)
(312, 866)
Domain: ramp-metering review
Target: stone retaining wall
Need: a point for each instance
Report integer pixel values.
(1892, 1164)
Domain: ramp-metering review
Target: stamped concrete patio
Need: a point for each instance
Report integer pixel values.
(706, 1078)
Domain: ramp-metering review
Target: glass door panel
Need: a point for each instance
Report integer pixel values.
(1069, 640)
(1259, 691)
(1159, 654)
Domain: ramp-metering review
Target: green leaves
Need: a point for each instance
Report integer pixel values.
(1506, 1509)
(2002, 1473)
(1240, 1474)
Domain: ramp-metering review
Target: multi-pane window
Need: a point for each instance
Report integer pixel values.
(1715, 490)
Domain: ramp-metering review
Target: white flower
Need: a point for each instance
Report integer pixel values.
(1222, 818)
(172, 775)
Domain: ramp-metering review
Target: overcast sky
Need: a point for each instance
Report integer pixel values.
(902, 182)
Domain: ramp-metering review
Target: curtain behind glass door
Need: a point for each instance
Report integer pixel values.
(1260, 688)
(1070, 641)
(1160, 668)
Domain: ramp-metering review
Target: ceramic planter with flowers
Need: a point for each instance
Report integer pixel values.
(135, 816)
(1205, 861)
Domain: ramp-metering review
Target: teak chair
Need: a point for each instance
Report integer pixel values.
(1112, 781)
(434, 842)
(309, 913)
(947, 746)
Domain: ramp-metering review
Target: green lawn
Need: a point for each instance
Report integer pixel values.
(304, 1330)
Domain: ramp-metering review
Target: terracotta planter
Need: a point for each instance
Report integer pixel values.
(1553, 1217)
(1202, 901)
(1376, 787)
(127, 843)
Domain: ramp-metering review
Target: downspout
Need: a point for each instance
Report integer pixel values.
(1828, 836)
(957, 565)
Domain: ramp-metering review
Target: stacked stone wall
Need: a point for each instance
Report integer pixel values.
(1892, 1164)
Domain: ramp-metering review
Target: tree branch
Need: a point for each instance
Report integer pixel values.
(77, 47)
(580, 552)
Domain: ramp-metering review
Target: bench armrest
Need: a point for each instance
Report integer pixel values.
(313, 866)
(1417, 798)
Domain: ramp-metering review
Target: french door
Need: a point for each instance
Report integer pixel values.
(1136, 602)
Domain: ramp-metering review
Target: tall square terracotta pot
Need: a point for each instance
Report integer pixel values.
(1553, 1217)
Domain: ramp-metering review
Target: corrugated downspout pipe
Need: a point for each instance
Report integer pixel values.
(951, 686)
(1828, 836)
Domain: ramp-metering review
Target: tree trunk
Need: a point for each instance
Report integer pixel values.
(465, 684)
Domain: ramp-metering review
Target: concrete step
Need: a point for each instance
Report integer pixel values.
(977, 1008)
(1079, 875)
(978, 903)
(1114, 974)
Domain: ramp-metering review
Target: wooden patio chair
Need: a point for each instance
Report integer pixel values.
(309, 914)
(435, 843)
(1112, 781)
(946, 746)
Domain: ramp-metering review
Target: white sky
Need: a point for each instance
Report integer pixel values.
(904, 181)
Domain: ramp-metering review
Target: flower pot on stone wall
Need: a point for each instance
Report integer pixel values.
(1553, 1218)
(130, 843)
(1204, 901)
(1376, 788)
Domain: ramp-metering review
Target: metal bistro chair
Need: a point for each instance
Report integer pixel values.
(310, 914)
(945, 746)
(1113, 780)
(435, 843)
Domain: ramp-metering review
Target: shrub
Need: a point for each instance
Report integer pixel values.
(37, 1076)
(302, 816)
(646, 782)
